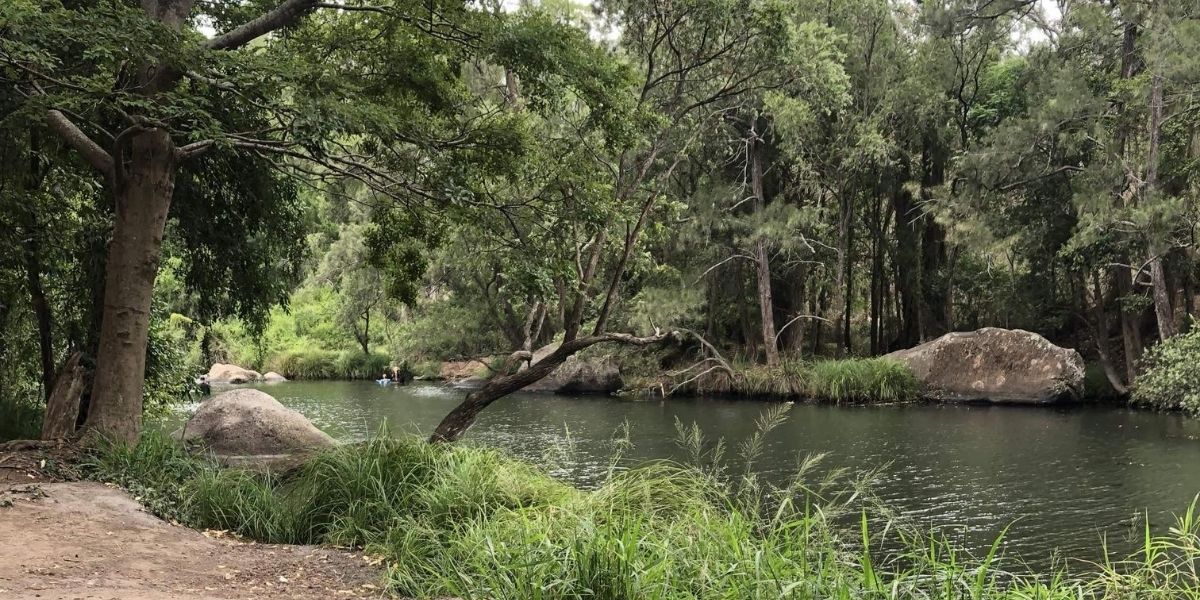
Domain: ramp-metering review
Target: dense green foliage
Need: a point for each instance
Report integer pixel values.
(1171, 380)
(471, 523)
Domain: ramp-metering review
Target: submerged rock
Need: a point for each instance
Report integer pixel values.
(995, 365)
(273, 377)
(594, 375)
(223, 373)
(470, 383)
(250, 427)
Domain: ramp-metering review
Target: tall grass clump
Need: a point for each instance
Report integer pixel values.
(862, 380)
(157, 471)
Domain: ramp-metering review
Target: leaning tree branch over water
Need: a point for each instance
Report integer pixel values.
(455, 424)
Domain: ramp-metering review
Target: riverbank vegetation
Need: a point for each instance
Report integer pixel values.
(851, 380)
(469, 522)
(1172, 379)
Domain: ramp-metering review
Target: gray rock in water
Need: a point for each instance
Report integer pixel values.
(273, 377)
(249, 426)
(995, 365)
(223, 373)
(597, 375)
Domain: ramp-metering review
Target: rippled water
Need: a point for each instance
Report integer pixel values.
(1062, 478)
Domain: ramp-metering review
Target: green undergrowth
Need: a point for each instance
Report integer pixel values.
(472, 523)
(21, 418)
(852, 380)
(1170, 379)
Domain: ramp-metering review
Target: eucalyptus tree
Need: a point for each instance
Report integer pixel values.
(144, 96)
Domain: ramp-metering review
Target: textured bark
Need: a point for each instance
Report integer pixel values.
(282, 15)
(1158, 276)
(141, 214)
(762, 261)
(62, 407)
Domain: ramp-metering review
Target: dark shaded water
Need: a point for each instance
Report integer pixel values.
(1063, 478)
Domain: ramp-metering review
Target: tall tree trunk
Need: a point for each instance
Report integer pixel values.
(766, 304)
(877, 277)
(1131, 336)
(908, 283)
(934, 289)
(1157, 248)
(797, 304)
(143, 199)
(748, 336)
(1189, 286)
(365, 339)
(1101, 335)
(848, 289)
(32, 255)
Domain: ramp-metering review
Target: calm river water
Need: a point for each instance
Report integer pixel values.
(1062, 478)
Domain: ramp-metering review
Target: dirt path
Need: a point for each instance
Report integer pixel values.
(88, 541)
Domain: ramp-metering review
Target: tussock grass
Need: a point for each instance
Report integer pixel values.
(854, 380)
(472, 523)
(329, 364)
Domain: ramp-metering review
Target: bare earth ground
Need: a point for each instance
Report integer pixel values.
(89, 541)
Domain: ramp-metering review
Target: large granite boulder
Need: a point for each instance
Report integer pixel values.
(247, 426)
(594, 375)
(223, 373)
(995, 365)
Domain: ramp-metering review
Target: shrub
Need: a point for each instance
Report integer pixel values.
(1170, 379)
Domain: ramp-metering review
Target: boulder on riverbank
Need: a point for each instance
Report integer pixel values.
(223, 373)
(250, 427)
(457, 370)
(273, 377)
(995, 365)
(592, 375)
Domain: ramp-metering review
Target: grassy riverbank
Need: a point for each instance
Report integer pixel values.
(328, 364)
(851, 380)
(469, 522)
